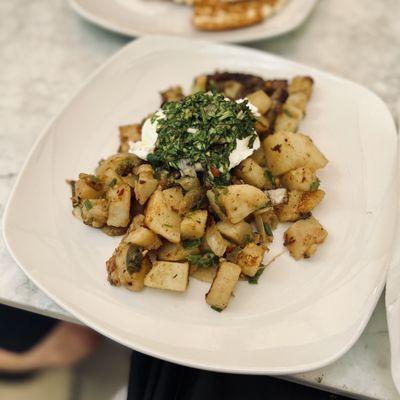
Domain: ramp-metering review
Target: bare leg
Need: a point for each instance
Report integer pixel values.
(65, 345)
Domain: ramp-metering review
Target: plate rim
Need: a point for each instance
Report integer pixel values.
(374, 297)
(113, 26)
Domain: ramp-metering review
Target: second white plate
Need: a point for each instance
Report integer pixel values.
(301, 315)
(163, 17)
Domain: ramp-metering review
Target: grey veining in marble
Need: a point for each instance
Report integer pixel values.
(46, 51)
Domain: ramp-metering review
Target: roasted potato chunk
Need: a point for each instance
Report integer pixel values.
(299, 179)
(161, 219)
(94, 212)
(174, 93)
(128, 134)
(193, 225)
(285, 151)
(222, 287)
(216, 204)
(204, 274)
(299, 205)
(120, 205)
(168, 276)
(173, 197)
(259, 157)
(215, 241)
(127, 267)
(175, 252)
(240, 233)
(87, 187)
(239, 201)
(261, 100)
(111, 170)
(303, 237)
(145, 186)
(250, 172)
(301, 84)
(288, 119)
(250, 258)
(189, 200)
(144, 237)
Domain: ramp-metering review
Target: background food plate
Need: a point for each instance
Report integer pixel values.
(301, 315)
(163, 17)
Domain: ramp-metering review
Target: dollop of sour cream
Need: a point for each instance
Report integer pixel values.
(149, 138)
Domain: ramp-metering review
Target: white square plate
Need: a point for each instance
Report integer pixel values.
(163, 17)
(301, 315)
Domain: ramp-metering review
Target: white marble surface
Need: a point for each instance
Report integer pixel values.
(45, 53)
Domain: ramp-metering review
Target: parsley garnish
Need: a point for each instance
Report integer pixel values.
(208, 259)
(215, 308)
(201, 129)
(191, 244)
(88, 205)
(271, 178)
(268, 229)
(315, 185)
(253, 280)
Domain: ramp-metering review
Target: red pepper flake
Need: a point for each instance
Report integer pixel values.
(215, 171)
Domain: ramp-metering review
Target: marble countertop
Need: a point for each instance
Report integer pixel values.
(46, 51)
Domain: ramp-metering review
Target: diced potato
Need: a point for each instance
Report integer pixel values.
(128, 268)
(250, 258)
(250, 172)
(298, 100)
(145, 186)
(193, 225)
(239, 201)
(259, 157)
(270, 218)
(285, 151)
(120, 205)
(262, 125)
(128, 134)
(261, 100)
(189, 183)
(173, 197)
(161, 219)
(175, 252)
(200, 84)
(240, 233)
(215, 204)
(299, 205)
(222, 287)
(303, 84)
(88, 187)
(232, 89)
(288, 119)
(174, 93)
(190, 199)
(144, 237)
(204, 274)
(215, 241)
(168, 276)
(303, 237)
(265, 236)
(94, 212)
(299, 179)
(118, 165)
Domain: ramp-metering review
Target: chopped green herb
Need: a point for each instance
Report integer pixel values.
(315, 185)
(88, 205)
(271, 178)
(201, 129)
(113, 182)
(215, 308)
(253, 280)
(268, 229)
(191, 244)
(133, 259)
(208, 259)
